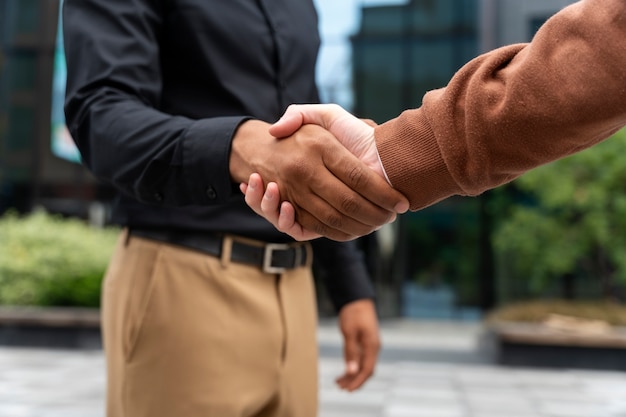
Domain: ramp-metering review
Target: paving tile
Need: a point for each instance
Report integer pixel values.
(569, 409)
(425, 393)
(70, 383)
(488, 402)
(412, 410)
(575, 395)
(359, 398)
(499, 414)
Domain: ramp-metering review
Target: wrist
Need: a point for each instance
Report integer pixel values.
(382, 168)
(244, 147)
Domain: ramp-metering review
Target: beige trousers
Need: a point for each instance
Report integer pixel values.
(190, 335)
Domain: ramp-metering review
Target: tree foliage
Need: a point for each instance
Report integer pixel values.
(576, 221)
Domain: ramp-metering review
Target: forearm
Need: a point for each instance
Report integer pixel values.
(514, 108)
(344, 272)
(151, 156)
(113, 96)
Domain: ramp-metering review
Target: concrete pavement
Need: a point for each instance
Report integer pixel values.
(426, 370)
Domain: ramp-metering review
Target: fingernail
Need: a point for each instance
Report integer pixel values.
(352, 367)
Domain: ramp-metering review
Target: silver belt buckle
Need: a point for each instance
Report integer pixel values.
(267, 258)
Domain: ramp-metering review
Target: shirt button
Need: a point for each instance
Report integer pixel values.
(210, 192)
(158, 197)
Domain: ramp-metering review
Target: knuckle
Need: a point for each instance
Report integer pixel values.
(300, 169)
(334, 221)
(334, 106)
(319, 228)
(383, 217)
(350, 205)
(357, 177)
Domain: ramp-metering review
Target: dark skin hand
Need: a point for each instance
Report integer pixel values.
(333, 193)
(359, 326)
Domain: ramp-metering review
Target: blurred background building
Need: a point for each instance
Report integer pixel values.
(38, 166)
(377, 58)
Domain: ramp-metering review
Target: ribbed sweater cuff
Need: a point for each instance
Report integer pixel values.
(413, 161)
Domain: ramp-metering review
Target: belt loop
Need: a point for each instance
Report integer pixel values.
(308, 250)
(227, 248)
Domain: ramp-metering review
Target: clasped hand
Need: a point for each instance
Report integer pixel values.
(319, 174)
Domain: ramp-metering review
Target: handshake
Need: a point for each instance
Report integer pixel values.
(316, 172)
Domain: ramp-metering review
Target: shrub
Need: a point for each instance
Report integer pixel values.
(47, 260)
(576, 224)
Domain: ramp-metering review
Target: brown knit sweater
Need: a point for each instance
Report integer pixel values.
(514, 108)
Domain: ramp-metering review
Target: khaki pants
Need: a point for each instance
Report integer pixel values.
(187, 334)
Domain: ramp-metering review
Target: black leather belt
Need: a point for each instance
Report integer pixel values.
(272, 258)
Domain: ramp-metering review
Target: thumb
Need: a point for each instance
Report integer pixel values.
(296, 115)
(288, 124)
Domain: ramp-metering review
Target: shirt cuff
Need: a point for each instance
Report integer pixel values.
(206, 156)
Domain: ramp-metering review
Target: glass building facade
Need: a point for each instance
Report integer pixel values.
(402, 51)
(399, 53)
(30, 173)
(442, 264)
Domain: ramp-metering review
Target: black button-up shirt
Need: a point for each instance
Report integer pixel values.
(156, 90)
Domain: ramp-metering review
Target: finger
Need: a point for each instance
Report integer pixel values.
(254, 193)
(369, 355)
(321, 216)
(351, 353)
(325, 115)
(287, 216)
(287, 224)
(268, 207)
(346, 381)
(319, 114)
(368, 185)
(288, 123)
(298, 114)
(270, 203)
(340, 206)
(323, 203)
(272, 211)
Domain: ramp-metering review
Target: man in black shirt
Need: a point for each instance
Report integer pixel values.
(207, 309)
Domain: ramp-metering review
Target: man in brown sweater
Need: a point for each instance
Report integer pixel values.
(502, 114)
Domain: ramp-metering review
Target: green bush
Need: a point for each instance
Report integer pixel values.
(47, 260)
(576, 223)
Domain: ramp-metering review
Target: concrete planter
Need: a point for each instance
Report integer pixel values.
(50, 327)
(538, 345)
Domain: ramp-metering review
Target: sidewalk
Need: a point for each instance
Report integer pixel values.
(426, 370)
(436, 369)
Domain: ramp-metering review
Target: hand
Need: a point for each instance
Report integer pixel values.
(355, 134)
(332, 192)
(266, 204)
(359, 326)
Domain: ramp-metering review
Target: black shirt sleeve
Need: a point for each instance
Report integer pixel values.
(343, 270)
(112, 100)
